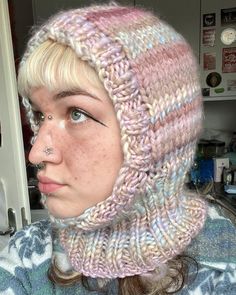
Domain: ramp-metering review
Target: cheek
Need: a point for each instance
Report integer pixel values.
(93, 157)
(77, 159)
(82, 155)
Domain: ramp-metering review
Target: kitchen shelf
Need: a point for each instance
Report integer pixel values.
(219, 98)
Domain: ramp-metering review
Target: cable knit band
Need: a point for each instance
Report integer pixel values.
(151, 77)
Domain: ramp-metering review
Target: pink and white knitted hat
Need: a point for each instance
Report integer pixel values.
(151, 76)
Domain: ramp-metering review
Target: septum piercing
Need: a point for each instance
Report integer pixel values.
(48, 151)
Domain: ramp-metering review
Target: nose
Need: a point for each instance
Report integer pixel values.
(45, 148)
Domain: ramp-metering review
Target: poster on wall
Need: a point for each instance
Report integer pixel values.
(229, 60)
(209, 61)
(209, 20)
(228, 16)
(213, 79)
(208, 37)
(228, 36)
(218, 49)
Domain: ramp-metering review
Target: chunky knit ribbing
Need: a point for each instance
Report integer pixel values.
(151, 76)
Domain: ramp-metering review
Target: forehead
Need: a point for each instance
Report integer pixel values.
(81, 80)
(42, 98)
(42, 93)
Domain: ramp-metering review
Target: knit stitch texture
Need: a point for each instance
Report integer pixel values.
(24, 263)
(151, 76)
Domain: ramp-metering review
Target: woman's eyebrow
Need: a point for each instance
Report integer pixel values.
(64, 94)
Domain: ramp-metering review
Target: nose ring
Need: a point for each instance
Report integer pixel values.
(48, 151)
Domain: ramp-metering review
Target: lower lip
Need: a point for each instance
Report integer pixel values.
(47, 188)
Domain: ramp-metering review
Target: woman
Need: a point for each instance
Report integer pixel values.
(113, 97)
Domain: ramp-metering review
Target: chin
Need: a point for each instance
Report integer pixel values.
(58, 211)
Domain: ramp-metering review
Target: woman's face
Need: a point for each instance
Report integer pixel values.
(80, 131)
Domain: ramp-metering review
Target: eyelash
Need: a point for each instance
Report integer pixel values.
(86, 115)
(40, 117)
(81, 112)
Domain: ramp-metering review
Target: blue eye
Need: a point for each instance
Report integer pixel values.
(77, 116)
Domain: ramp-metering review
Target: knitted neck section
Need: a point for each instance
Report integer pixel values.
(151, 77)
(140, 242)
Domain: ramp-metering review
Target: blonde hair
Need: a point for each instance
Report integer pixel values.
(56, 67)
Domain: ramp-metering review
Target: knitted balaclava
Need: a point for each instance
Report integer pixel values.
(151, 77)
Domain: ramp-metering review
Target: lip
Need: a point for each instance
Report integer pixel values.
(47, 185)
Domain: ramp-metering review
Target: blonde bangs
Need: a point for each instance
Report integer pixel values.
(56, 67)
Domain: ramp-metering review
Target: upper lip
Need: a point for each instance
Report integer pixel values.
(44, 179)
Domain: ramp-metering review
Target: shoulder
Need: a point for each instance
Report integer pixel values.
(40, 229)
(31, 245)
(215, 251)
(34, 237)
(216, 243)
(25, 259)
(210, 280)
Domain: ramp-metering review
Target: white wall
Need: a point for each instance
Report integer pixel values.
(220, 120)
(220, 116)
(42, 9)
(209, 7)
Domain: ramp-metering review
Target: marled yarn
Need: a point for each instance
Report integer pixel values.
(151, 76)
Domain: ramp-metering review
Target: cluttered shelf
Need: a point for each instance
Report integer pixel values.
(219, 98)
(214, 161)
(213, 173)
(216, 193)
